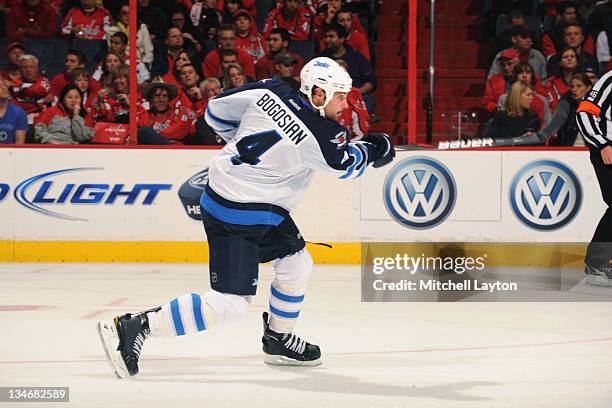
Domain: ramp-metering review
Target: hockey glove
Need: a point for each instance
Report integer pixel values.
(383, 148)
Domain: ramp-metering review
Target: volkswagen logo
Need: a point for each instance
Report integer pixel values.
(545, 195)
(419, 192)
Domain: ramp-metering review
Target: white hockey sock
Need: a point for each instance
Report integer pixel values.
(186, 314)
(227, 307)
(190, 313)
(285, 306)
(288, 289)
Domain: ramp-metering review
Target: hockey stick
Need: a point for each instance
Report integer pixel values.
(527, 139)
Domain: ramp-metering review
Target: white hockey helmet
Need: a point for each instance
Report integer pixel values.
(324, 73)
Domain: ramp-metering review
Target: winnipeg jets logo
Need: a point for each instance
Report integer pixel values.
(340, 139)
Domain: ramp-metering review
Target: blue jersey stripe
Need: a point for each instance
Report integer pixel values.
(357, 155)
(365, 161)
(221, 121)
(176, 317)
(245, 206)
(239, 217)
(282, 313)
(197, 311)
(286, 298)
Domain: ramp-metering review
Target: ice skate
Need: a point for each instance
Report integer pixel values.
(122, 340)
(598, 276)
(287, 349)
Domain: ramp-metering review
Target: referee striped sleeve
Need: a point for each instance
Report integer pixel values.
(589, 127)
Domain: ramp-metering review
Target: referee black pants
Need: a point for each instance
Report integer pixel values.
(600, 249)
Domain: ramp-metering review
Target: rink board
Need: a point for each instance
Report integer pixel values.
(103, 205)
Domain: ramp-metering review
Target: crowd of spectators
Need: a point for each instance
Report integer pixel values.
(546, 56)
(188, 51)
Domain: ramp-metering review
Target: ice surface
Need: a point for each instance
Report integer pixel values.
(375, 354)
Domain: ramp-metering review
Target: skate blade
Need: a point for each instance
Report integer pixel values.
(110, 341)
(598, 280)
(271, 359)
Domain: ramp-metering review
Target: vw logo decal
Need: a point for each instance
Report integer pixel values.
(419, 192)
(545, 195)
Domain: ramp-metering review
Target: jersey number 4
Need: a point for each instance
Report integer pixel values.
(250, 148)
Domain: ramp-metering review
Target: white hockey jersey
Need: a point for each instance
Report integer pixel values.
(275, 140)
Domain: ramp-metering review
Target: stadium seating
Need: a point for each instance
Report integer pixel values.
(305, 48)
(47, 51)
(460, 60)
(263, 7)
(94, 51)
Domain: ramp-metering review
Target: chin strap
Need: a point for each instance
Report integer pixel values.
(320, 109)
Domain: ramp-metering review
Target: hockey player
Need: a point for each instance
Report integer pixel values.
(276, 137)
